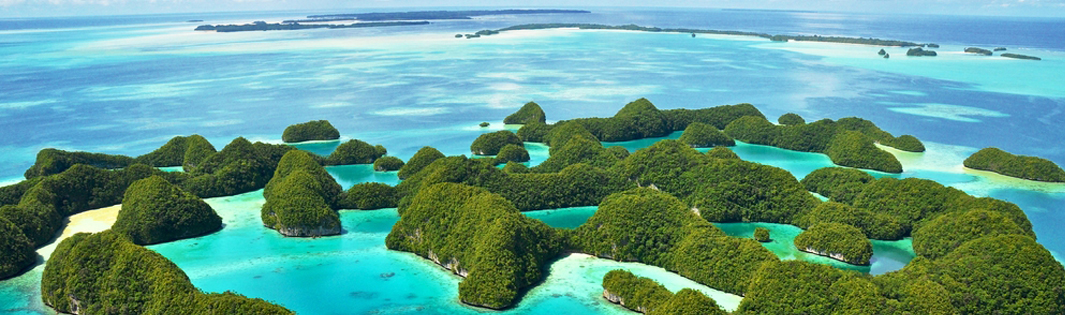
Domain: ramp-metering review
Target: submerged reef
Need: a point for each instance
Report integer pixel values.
(1019, 166)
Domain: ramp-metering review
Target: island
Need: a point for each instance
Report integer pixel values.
(387, 164)
(656, 206)
(776, 38)
(1019, 166)
(484, 124)
(355, 151)
(644, 295)
(1019, 56)
(529, 113)
(837, 241)
(491, 143)
(263, 26)
(881, 52)
(311, 130)
(919, 52)
(156, 211)
(105, 272)
(1000, 49)
(700, 135)
(792, 118)
(761, 234)
(978, 51)
(512, 153)
(429, 15)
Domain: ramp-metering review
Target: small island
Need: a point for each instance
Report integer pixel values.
(1000, 49)
(156, 211)
(837, 241)
(920, 52)
(491, 143)
(1019, 56)
(387, 164)
(311, 130)
(301, 198)
(512, 153)
(700, 135)
(790, 119)
(529, 113)
(978, 51)
(644, 295)
(1019, 166)
(761, 234)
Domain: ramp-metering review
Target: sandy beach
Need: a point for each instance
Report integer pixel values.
(91, 221)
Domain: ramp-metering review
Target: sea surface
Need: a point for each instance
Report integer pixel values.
(125, 85)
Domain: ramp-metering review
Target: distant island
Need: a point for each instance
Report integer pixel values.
(263, 26)
(425, 15)
(1020, 166)
(979, 51)
(779, 38)
(1019, 56)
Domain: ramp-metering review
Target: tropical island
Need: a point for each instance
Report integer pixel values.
(427, 15)
(311, 130)
(978, 51)
(656, 206)
(1019, 166)
(263, 26)
(919, 52)
(776, 38)
(1019, 56)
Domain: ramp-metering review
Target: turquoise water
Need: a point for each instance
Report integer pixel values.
(563, 218)
(887, 255)
(410, 87)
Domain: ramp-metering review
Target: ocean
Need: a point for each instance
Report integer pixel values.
(126, 84)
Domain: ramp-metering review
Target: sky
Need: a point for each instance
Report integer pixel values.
(39, 8)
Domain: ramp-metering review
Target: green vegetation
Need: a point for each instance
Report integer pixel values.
(187, 152)
(581, 150)
(512, 153)
(239, 168)
(52, 161)
(761, 234)
(688, 302)
(534, 132)
(311, 130)
(478, 235)
(515, 168)
(653, 227)
(837, 183)
(300, 198)
(848, 142)
(793, 118)
(836, 240)
(635, 293)
(700, 135)
(1020, 166)
(647, 296)
(1000, 49)
(873, 225)
(355, 152)
(722, 153)
(387, 164)
(940, 236)
(491, 143)
(156, 211)
(882, 52)
(420, 160)
(1019, 56)
(369, 196)
(18, 251)
(529, 113)
(720, 190)
(979, 51)
(105, 273)
(484, 124)
(919, 52)
(799, 287)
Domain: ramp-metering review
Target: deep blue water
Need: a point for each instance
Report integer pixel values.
(125, 85)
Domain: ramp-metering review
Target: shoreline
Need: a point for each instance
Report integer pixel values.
(90, 221)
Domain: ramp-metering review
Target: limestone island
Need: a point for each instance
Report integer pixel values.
(311, 130)
(1000, 49)
(978, 51)
(387, 164)
(1019, 56)
(919, 52)
(644, 295)
(655, 206)
(838, 241)
(529, 113)
(1019, 166)
(761, 234)
(156, 211)
(491, 143)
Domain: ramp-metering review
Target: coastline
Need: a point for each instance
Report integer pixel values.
(91, 221)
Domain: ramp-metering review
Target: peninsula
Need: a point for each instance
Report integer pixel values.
(1019, 166)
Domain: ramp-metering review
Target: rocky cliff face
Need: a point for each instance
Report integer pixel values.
(307, 231)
